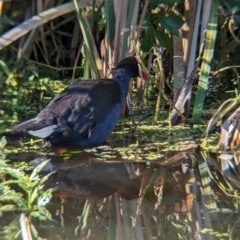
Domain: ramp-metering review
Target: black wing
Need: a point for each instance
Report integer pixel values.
(82, 105)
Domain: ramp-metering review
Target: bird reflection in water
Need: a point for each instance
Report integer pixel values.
(83, 189)
(95, 180)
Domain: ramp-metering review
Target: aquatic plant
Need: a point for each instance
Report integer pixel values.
(23, 197)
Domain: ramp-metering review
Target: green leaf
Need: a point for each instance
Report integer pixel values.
(4, 68)
(7, 208)
(148, 40)
(46, 197)
(40, 213)
(155, 2)
(9, 195)
(15, 173)
(164, 40)
(22, 183)
(5, 20)
(234, 6)
(38, 169)
(39, 186)
(147, 19)
(50, 91)
(169, 22)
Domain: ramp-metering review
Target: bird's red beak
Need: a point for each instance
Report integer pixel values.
(144, 76)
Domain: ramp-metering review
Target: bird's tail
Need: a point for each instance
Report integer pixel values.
(25, 126)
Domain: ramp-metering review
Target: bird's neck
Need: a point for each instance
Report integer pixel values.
(122, 78)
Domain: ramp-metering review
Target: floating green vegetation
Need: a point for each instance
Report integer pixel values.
(24, 97)
(150, 142)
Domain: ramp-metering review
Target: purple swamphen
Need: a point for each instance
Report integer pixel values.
(86, 112)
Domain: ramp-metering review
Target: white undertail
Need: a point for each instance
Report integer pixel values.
(43, 132)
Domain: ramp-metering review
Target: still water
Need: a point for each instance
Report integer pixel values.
(100, 194)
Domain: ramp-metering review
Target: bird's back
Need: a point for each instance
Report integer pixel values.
(76, 112)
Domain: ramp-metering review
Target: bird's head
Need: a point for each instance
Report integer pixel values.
(132, 67)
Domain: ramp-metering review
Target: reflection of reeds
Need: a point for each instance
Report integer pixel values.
(195, 197)
(132, 217)
(81, 230)
(24, 221)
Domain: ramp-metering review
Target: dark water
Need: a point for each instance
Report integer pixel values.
(181, 195)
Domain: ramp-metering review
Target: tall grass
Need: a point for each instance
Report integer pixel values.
(206, 63)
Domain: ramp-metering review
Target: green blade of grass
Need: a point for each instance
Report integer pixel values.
(110, 28)
(207, 58)
(86, 67)
(128, 27)
(110, 18)
(4, 67)
(93, 13)
(87, 40)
